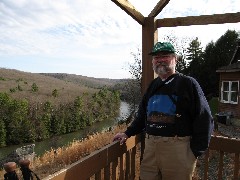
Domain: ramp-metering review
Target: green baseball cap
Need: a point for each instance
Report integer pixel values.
(162, 47)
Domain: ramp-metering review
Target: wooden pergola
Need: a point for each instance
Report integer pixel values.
(150, 27)
(116, 161)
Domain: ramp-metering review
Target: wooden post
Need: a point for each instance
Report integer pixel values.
(10, 168)
(27, 173)
(24, 164)
(149, 38)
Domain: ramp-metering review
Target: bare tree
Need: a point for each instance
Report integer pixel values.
(133, 86)
(180, 45)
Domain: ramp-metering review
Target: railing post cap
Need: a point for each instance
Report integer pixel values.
(10, 166)
(24, 162)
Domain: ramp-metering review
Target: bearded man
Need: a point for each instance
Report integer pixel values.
(176, 118)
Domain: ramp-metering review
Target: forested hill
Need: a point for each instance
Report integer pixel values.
(35, 106)
(20, 84)
(84, 80)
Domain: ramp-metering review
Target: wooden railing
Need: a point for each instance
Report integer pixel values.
(113, 161)
(224, 146)
(116, 161)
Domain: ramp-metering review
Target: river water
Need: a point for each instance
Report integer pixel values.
(59, 141)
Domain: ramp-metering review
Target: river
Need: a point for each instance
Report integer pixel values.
(59, 141)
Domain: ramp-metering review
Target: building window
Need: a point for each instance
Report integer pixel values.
(229, 92)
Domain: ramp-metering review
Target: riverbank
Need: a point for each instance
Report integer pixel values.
(63, 140)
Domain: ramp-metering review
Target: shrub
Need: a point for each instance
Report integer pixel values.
(34, 87)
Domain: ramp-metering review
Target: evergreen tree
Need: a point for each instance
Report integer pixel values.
(216, 55)
(2, 133)
(46, 119)
(79, 121)
(69, 118)
(34, 87)
(194, 58)
(58, 124)
(19, 128)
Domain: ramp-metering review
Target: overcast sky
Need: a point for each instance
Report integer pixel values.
(93, 38)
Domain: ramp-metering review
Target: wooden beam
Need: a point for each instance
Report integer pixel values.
(130, 10)
(158, 8)
(199, 20)
(149, 38)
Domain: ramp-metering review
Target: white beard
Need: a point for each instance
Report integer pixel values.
(163, 69)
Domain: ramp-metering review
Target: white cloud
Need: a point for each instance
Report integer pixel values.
(74, 36)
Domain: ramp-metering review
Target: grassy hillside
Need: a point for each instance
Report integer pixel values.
(84, 80)
(19, 85)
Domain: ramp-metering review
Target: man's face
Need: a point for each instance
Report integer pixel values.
(164, 63)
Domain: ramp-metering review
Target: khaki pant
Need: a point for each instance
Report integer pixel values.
(167, 158)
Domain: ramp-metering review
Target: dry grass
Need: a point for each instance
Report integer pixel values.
(56, 159)
(84, 80)
(68, 91)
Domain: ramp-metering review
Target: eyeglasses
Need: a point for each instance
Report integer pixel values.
(166, 57)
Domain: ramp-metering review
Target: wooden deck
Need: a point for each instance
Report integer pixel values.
(117, 161)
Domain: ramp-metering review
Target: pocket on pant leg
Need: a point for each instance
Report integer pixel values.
(149, 153)
(148, 168)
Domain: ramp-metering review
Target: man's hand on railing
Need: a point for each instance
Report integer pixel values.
(122, 137)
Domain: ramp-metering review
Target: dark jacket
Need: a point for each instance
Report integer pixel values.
(181, 97)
